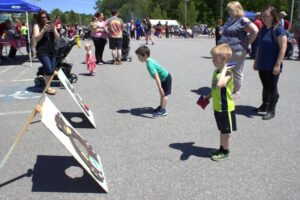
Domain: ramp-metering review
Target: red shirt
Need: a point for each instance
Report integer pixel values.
(258, 23)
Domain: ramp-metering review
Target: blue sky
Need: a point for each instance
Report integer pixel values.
(79, 6)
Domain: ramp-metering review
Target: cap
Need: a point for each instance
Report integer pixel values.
(283, 13)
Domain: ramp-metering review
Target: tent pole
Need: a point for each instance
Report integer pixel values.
(28, 37)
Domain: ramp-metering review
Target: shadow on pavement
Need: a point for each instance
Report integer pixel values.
(28, 174)
(77, 119)
(140, 112)
(207, 57)
(247, 111)
(62, 174)
(188, 150)
(202, 91)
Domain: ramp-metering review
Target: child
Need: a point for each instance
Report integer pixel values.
(90, 60)
(223, 104)
(162, 77)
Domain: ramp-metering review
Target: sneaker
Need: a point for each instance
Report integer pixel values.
(156, 109)
(220, 156)
(114, 62)
(214, 152)
(159, 113)
(119, 62)
(261, 109)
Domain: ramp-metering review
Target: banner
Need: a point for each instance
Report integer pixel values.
(81, 150)
(84, 107)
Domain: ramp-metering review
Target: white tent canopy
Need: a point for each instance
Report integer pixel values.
(171, 22)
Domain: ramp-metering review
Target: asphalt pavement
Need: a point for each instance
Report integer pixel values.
(144, 158)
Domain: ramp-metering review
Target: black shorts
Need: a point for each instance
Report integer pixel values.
(226, 121)
(167, 85)
(115, 43)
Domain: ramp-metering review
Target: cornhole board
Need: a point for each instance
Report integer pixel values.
(80, 149)
(79, 101)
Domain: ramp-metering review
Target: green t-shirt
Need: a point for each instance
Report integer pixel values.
(153, 67)
(222, 97)
(24, 30)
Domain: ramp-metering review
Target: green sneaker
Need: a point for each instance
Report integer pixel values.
(220, 156)
(213, 152)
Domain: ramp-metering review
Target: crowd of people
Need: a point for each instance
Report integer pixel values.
(268, 35)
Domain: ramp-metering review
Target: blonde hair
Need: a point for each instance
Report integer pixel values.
(222, 49)
(236, 8)
(88, 46)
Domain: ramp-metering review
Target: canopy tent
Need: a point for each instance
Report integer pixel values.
(19, 6)
(16, 6)
(171, 22)
(250, 15)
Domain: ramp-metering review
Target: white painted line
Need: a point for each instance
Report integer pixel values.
(16, 112)
(21, 80)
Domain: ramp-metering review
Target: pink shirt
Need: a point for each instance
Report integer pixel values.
(101, 34)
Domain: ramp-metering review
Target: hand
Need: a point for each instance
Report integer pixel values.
(161, 92)
(254, 66)
(276, 69)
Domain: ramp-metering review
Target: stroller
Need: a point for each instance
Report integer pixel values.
(64, 48)
(126, 47)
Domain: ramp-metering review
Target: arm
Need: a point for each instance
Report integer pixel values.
(37, 33)
(256, 56)
(253, 31)
(158, 82)
(224, 78)
(282, 41)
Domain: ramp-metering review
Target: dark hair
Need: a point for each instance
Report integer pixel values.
(39, 17)
(273, 13)
(114, 12)
(143, 51)
(97, 14)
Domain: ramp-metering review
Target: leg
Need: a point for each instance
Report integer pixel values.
(224, 141)
(48, 68)
(102, 43)
(274, 96)
(163, 102)
(97, 51)
(238, 57)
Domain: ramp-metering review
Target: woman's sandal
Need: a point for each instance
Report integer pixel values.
(51, 91)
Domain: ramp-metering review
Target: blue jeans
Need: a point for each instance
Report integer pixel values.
(48, 63)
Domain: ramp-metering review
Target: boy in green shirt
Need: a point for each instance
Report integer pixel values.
(223, 104)
(162, 78)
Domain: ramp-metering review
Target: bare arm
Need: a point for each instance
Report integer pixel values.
(253, 31)
(157, 80)
(224, 78)
(37, 33)
(282, 41)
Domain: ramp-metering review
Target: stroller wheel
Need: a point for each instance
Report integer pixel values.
(73, 78)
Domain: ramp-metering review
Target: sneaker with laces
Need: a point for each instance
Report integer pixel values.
(219, 156)
(160, 112)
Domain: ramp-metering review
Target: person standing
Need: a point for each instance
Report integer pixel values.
(259, 24)
(115, 29)
(270, 53)
(218, 31)
(45, 35)
(239, 32)
(148, 31)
